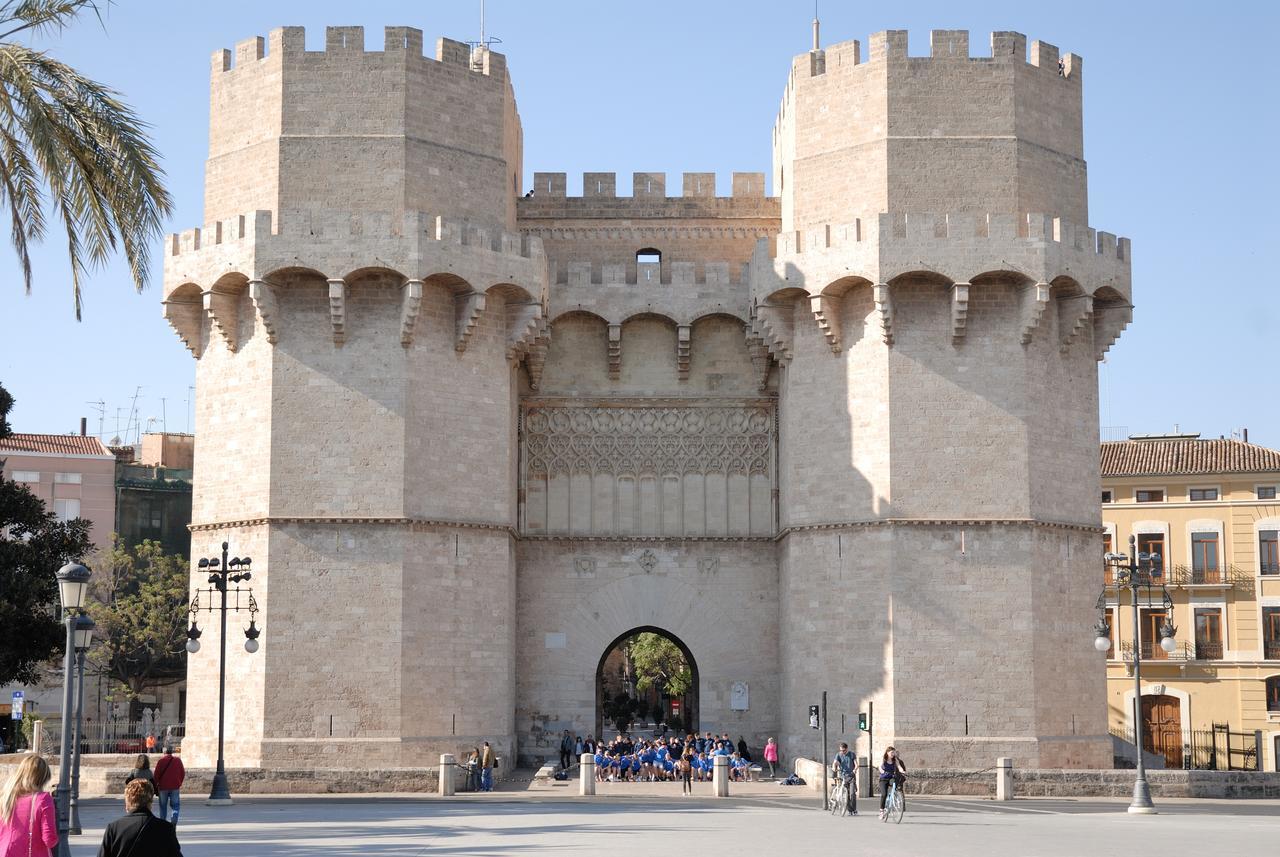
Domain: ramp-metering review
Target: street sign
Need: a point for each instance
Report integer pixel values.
(19, 698)
(813, 717)
(675, 708)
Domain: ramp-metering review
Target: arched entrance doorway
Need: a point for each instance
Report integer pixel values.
(646, 677)
(1162, 728)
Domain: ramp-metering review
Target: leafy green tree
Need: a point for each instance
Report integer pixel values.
(71, 148)
(138, 598)
(658, 662)
(33, 546)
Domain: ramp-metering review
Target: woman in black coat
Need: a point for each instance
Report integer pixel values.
(139, 833)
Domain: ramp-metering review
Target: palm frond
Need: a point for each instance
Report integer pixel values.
(38, 17)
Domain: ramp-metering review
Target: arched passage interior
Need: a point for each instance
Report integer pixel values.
(614, 676)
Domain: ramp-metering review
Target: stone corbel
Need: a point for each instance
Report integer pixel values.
(186, 319)
(338, 310)
(683, 349)
(826, 311)
(959, 311)
(1035, 300)
(1073, 315)
(884, 311)
(467, 310)
(759, 358)
(1109, 321)
(410, 306)
(772, 323)
(615, 351)
(535, 358)
(523, 324)
(263, 297)
(222, 309)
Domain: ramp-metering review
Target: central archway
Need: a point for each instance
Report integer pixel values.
(615, 677)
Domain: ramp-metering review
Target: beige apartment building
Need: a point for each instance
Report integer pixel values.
(1209, 508)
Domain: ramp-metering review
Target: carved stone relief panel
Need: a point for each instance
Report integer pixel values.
(648, 467)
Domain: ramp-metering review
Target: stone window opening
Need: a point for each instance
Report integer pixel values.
(648, 265)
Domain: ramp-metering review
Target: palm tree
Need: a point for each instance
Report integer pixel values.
(69, 146)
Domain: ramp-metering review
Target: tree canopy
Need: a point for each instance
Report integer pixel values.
(71, 148)
(658, 662)
(33, 546)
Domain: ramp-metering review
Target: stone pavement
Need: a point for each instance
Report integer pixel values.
(529, 823)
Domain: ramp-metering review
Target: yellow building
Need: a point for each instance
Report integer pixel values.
(1209, 508)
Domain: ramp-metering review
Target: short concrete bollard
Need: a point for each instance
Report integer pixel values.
(864, 777)
(1004, 778)
(587, 775)
(448, 770)
(720, 775)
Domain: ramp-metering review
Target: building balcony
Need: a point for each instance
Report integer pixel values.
(1270, 568)
(1225, 577)
(1208, 650)
(1152, 652)
(1271, 650)
(1155, 577)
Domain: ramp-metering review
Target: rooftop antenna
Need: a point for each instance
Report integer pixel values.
(817, 43)
(480, 48)
(101, 407)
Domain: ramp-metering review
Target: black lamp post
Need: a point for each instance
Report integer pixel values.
(1136, 571)
(84, 635)
(221, 570)
(73, 581)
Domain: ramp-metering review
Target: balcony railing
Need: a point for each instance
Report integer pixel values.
(1270, 568)
(1153, 577)
(1153, 652)
(1271, 650)
(1208, 650)
(1228, 575)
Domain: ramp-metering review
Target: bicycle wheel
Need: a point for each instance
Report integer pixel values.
(888, 801)
(843, 796)
(899, 805)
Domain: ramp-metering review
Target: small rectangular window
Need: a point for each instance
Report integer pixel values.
(1269, 551)
(1106, 496)
(1204, 558)
(67, 478)
(1151, 495)
(1200, 495)
(66, 510)
(1208, 634)
(1266, 492)
(26, 476)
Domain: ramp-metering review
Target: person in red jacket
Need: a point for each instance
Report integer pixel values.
(168, 776)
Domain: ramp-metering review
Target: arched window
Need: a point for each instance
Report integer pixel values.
(1273, 694)
(648, 265)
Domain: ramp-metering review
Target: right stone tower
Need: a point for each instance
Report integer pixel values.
(940, 533)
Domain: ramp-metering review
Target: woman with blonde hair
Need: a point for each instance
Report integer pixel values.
(28, 821)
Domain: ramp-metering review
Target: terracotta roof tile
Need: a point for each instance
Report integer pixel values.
(57, 444)
(1186, 458)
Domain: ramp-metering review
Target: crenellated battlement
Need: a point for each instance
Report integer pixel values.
(401, 44)
(646, 186)
(616, 291)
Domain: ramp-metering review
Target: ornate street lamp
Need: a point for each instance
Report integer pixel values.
(84, 636)
(73, 583)
(1137, 571)
(222, 570)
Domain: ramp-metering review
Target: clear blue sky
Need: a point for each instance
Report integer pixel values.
(1181, 130)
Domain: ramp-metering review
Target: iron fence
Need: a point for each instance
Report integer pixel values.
(1221, 749)
(117, 736)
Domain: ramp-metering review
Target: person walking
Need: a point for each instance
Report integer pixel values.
(28, 820)
(771, 756)
(141, 769)
(845, 765)
(566, 749)
(488, 761)
(138, 832)
(686, 772)
(168, 777)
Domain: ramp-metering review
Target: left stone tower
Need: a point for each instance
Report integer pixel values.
(360, 308)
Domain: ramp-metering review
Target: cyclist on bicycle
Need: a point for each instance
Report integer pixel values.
(843, 767)
(891, 768)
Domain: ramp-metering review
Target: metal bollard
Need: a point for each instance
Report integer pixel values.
(587, 775)
(1004, 778)
(720, 775)
(448, 769)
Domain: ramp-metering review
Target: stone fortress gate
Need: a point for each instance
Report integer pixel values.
(843, 438)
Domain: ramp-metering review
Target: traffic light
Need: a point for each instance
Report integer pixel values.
(813, 716)
(862, 721)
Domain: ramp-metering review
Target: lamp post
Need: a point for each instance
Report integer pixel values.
(221, 570)
(84, 635)
(1134, 572)
(73, 581)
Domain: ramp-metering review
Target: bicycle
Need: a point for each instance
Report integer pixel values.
(894, 804)
(838, 803)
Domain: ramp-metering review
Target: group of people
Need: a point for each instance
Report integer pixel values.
(663, 758)
(29, 820)
(480, 765)
(892, 769)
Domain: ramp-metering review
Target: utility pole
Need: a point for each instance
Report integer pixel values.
(825, 796)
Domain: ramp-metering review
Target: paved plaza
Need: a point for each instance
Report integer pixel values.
(617, 825)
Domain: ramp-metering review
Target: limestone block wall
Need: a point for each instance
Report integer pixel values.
(356, 130)
(947, 132)
(576, 598)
